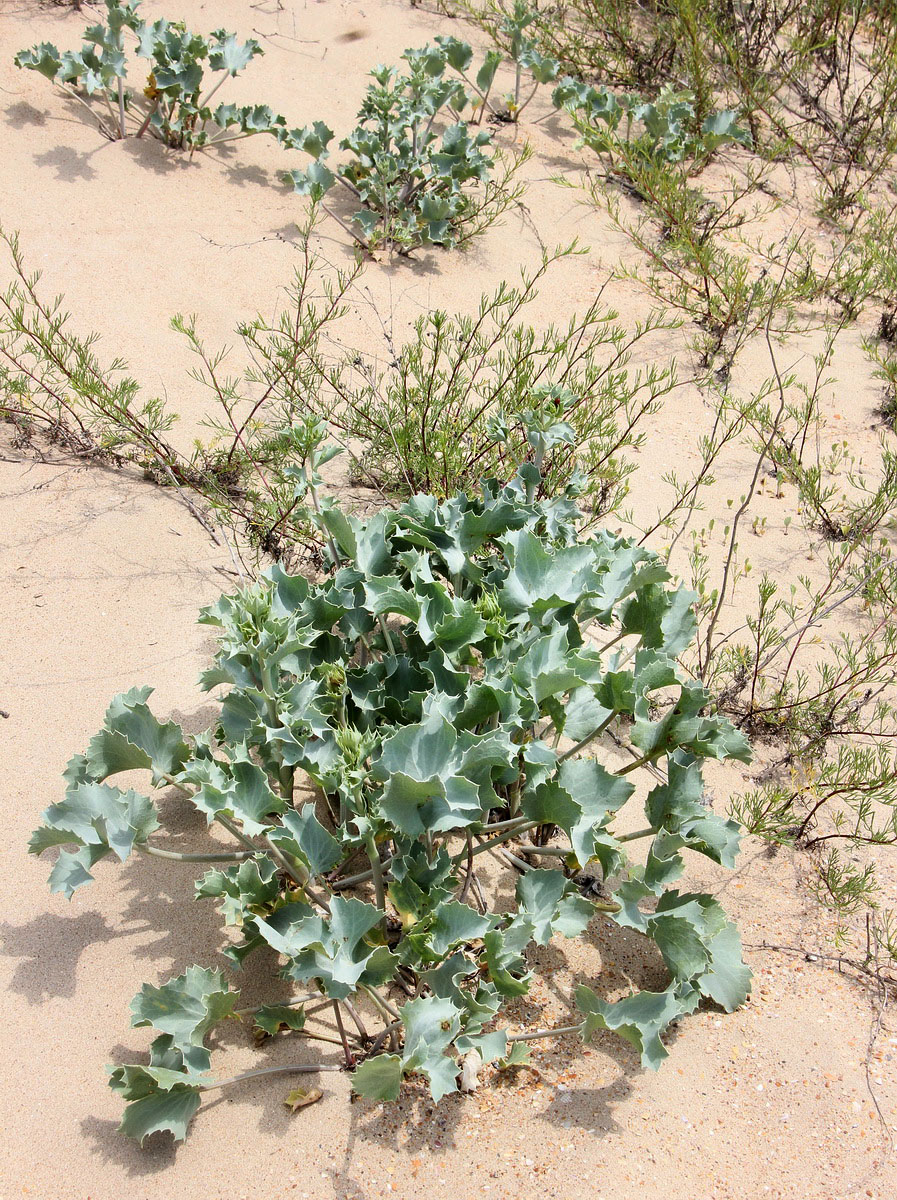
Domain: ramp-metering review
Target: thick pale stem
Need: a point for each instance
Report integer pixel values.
(386, 1009)
(497, 841)
(204, 102)
(238, 833)
(341, 885)
(104, 129)
(639, 762)
(497, 826)
(179, 856)
(285, 774)
(121, 107)
(526, 101)
(232, 137)
(295, 1069)
(639, 833)
(349, 1056)
(376, 871)
(354, 1014)
(293, 1002)
(562, 1031)
(149, 116)
(586, 741)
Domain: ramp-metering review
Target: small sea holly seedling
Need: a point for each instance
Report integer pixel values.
(446, 687)
(422, 176)
(523, 54)
(174, 103)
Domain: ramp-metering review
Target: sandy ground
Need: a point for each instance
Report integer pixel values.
(102, 577)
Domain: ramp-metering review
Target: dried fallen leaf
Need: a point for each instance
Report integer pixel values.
(471, 1066)
(302, 1097)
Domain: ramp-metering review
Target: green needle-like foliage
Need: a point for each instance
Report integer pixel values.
(446, 687)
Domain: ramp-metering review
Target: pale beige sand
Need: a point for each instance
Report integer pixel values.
(102, 577)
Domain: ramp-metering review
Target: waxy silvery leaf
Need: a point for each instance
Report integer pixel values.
(728, 980)
(96, 814)
(543, 578)
(665, 620)
(232, 56)
(164, 1096)
(550, 668)
(542, 68)
(583, 714)
(679, 938)
(379, 1078)
(664, 864)
(132, 739)
(724, 977)
(503, 952)
(419, 885)
(677, 807)
(98, 818)
(387, 595)
(315, 181)
(486, 73)
(722, 127)
(288, 591)
(627, 569)
(43, 58)
(251, 885)
(178, 77)
(336, 952)
(553, 904)
(683, 728)
(187, 1007)
(640, 1018)
(436, 778)
(159, 1110)
(454, 924)
(477, 1005)
(250, 118)
(491, 1047)
(598, 794)
(149, 35)
(458, 54)
(271, 1018)
(241, 790)
(303, 832)
(72, 869)
(551, 804)
(415, 806)
(313, 139)
(431, 1025)
(460, 627)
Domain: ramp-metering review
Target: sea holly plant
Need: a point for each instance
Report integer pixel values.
(172, 102)
(447, 687)
(528, 62)
(420, 174)
(664, 130)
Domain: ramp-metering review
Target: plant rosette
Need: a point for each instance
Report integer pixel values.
(447, 688)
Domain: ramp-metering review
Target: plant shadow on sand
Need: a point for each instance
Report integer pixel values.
(51, 946)
(68, 165)
(22, 113)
